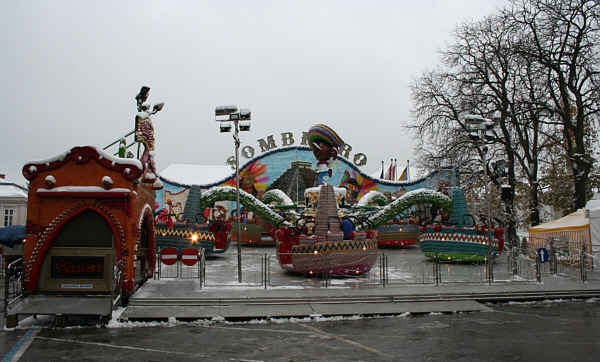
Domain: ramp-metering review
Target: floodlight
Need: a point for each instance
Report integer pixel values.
(225, 110)
(245, 113)
(234, 116)
(244, 125)
(225, 127)
(474, 136)
(475, 122)
(473, 119)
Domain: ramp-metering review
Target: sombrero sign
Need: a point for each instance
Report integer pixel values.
(287, 139)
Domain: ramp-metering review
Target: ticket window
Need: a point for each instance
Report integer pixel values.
(81, 258)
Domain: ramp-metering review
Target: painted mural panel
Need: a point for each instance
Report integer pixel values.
(291, 169)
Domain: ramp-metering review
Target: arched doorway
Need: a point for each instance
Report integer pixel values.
(82, 255)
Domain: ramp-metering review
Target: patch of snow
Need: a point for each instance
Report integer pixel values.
(196, 174)
(106, 180)
(81, 189)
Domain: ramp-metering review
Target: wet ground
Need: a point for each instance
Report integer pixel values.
(547, 330)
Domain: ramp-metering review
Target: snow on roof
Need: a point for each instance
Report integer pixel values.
(196, 174)
(10, 190)
(130, 167)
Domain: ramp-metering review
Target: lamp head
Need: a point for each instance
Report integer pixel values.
(244, 125)
(225, 127)
(225, 110)
(245, 113)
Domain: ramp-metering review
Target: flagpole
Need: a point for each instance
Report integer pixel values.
(407, 170)
(395, 166)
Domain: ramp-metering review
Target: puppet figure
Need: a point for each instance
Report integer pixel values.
(324, 143)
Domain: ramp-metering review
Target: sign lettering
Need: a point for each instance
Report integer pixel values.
(287, 139)
(77, 267)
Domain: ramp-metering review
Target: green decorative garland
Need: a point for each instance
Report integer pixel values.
(250, 202)
(276, 197)
(373, 197)
(416, 197)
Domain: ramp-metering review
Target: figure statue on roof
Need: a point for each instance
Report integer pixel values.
(144, 130)
(325, 143)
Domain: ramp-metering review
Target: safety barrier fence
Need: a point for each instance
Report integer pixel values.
(564, 257)
(13, 283)
(392, 267)
(116, 290)
(179, 263)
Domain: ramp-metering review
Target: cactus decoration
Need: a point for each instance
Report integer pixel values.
(374, 220)
(373, 197)
(404, 202)
(250, 202)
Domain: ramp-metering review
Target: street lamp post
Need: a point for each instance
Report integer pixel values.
(478, 127)
(227, 115)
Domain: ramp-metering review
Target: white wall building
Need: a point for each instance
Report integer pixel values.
(13, 203)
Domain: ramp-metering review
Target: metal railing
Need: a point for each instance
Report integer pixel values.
(180, 269)
(13, 283)
(392, 268)
(116, 290)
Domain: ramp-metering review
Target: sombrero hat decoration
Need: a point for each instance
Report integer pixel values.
(324, 133)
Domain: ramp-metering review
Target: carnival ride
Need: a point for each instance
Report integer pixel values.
(191, 228)
(324, 236)
(461, 239)
(401, 231)
(254, 230)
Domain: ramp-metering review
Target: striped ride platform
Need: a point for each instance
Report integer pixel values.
(458, 246)
(346, 257)
(400, 233)
(182, 237)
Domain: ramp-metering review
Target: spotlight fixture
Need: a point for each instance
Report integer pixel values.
(244, 125)
(225, 110)
(225, 127)
(245, 113)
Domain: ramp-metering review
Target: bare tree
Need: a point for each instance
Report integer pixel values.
(562, 37)
(484, 76)
(533, 69)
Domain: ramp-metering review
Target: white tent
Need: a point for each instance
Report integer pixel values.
(592, 212)
(573, 230)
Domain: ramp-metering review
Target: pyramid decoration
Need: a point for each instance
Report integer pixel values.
(459, 209)
(326, 218)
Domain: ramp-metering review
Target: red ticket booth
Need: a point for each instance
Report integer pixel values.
(88, 213)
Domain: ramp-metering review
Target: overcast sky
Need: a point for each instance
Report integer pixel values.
(70, 71)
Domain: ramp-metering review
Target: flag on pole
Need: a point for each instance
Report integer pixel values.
(394, 171)
(388, 174)
(404, 175)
